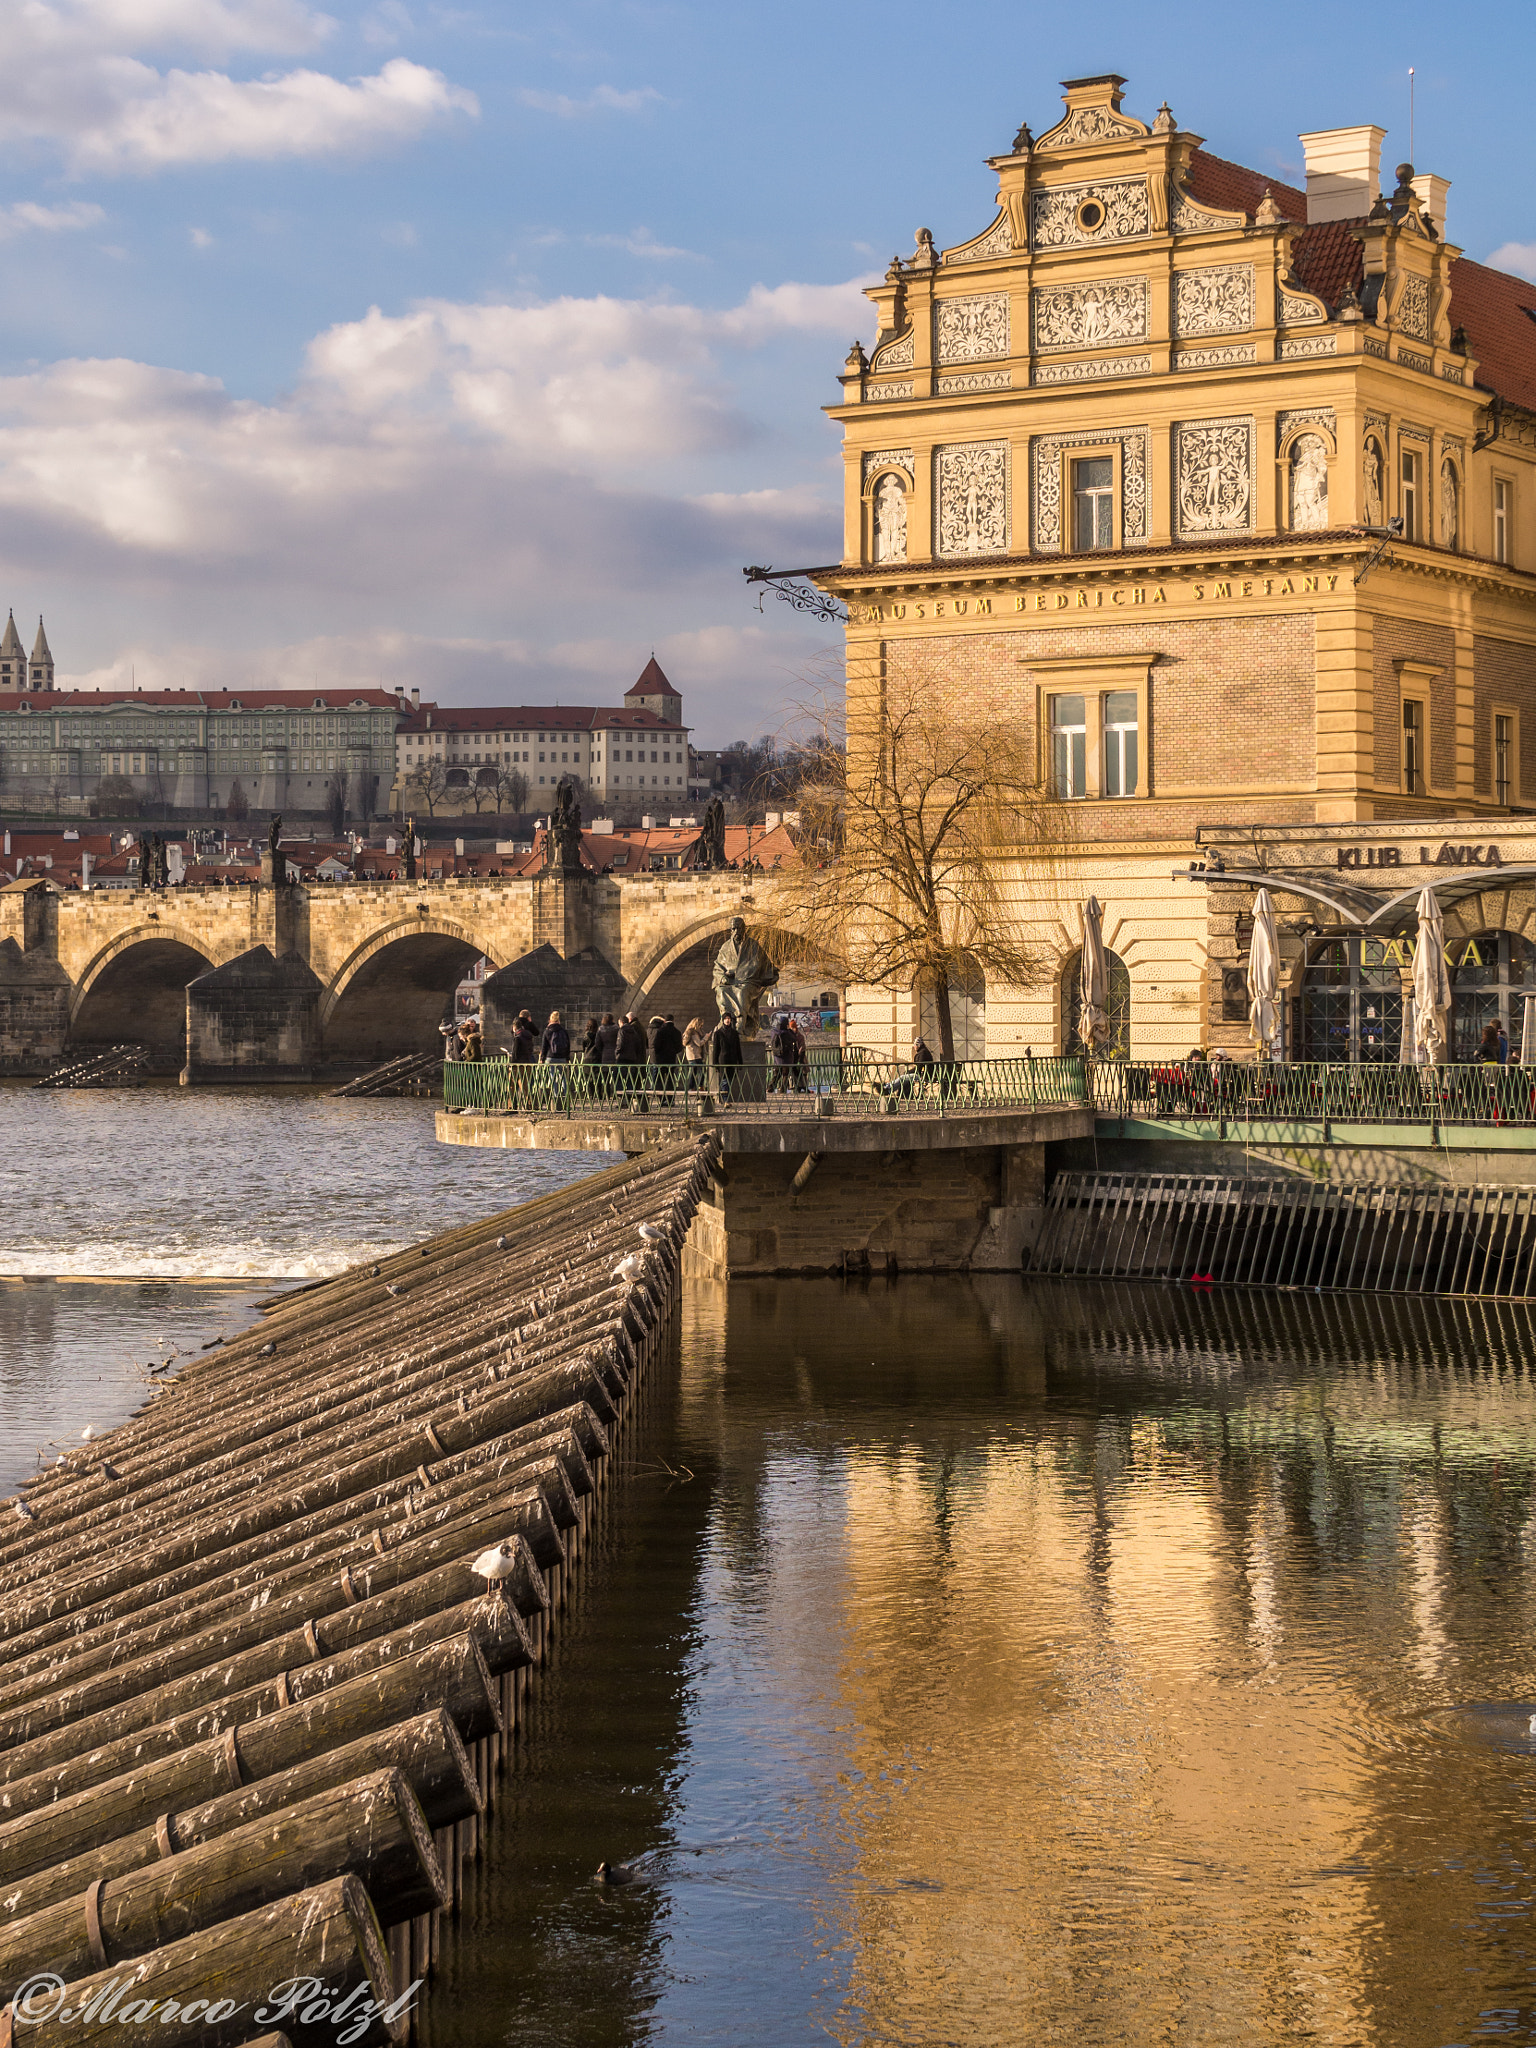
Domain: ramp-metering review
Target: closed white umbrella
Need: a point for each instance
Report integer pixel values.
(1093, 1015)
(1264, 974)
(1431, 982)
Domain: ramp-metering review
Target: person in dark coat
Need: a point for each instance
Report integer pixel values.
(666, 1052)
(726, 1059)
(781, 1048)
(555, 1054)
(524, 1046)
(631, 1050)
(608, 1040)
(589, 1043)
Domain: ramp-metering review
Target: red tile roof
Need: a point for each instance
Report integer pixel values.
(652, 682)
(1213, 182)
(1499, 314)
(558, 718)
(212, 700)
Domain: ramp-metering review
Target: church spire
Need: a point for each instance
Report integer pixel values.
(40, 668)
(13, 662)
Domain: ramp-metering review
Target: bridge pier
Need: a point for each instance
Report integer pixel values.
(257, 1018)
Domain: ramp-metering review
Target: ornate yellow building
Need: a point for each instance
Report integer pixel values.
(1227, 493)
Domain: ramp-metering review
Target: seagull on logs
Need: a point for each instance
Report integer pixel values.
(494, 1565)
(27, 1514)
(652, 1233)
(629, 1269)
(86, 1434)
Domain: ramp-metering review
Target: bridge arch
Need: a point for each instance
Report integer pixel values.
(677, 976)
(134, 990)
(390, 994)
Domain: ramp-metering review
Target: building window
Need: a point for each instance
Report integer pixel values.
(1352, 1000)
(1117, 1005)
(1069, 746)
(1501, 511)
(1491, 975)
(1093, 519)
(1410, 495)
(1503, 756)
(1413, 747)
(1121, 764)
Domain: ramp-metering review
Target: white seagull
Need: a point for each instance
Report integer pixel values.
(494, 1565)
(652, 1232)
(501, 1244)
(86, 1434)
(629, 1269)
(27, 1514)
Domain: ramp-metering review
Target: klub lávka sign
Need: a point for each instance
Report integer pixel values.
(1448, 857)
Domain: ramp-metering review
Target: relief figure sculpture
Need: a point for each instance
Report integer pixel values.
(890, 520)
(1309, 484)
(1373, 509)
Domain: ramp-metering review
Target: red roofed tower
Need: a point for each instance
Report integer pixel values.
(652, 692)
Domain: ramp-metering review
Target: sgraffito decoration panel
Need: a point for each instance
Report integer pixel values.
(970, 481)
(1413, 308)
(1217, 299)
(876, 459)
(1053, 222)
(975, 380)
(1045, 468)
(1213, 464)
(899, 354)
(1089, 315)
(996, 241)
(971, 330)
(1186, 217)
(1294, 312)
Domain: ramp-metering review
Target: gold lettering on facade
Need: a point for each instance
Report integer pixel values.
(1308, 583)
(1288, 588)
(984, 604)
(1159, 596)
(1222, 590)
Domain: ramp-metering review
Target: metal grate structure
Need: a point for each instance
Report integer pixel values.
(1374, 1236)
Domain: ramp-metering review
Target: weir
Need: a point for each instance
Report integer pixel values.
(253, 1698)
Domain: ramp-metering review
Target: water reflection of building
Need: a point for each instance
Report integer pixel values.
(1121, 467)
(1142, 1634)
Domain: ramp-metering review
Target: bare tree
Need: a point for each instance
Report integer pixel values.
(917, 826)
(115, 797)
(239, 804)
(426, 786)
(482, 788)
(336, 801)
(58, 789)
(512, 789)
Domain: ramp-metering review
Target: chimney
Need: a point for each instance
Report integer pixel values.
(1432, 191)
(416, 699)
(1343, 172)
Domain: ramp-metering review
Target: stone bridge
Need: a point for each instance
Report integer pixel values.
(366, 972)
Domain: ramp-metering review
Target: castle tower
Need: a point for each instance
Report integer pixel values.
(13, 662)
(652, 692)
(40, 668)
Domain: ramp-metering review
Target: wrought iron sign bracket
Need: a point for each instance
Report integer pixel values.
(794, 586)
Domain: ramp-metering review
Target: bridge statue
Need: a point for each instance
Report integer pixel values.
(741, 973)
(564, 850)
(277, 860)
(409, 849)
(710, 848)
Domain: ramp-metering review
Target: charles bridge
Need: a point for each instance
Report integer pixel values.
(268, 982)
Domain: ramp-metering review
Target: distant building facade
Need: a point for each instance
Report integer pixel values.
(184, 749)
(635, 757)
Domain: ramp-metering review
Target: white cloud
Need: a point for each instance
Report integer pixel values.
(603, 99)
(1520, 257)
(24, 216)
(485, 480)
(640, 242)
(81, 83)
(200, 238)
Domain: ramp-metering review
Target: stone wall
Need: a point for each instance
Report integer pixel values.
(34, 1009)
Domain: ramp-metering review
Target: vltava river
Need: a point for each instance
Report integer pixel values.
(959, 1662)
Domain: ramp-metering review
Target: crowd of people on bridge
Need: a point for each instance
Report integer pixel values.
(621, 1058)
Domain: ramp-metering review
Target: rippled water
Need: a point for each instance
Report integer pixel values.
(1020, 1664)
(137, 1224)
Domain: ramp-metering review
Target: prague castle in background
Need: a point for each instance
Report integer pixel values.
(317, 750)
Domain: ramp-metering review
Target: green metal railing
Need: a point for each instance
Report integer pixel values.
(849, 1082)
(1314, 1092)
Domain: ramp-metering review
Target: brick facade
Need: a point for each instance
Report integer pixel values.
(1505, 673)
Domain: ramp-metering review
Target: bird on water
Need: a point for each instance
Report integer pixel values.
(617, 1873)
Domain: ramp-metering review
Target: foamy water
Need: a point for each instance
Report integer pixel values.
(184, 1207)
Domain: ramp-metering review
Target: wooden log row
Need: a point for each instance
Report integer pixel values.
(373, 1827)
(393, 1389)
(556, 1569)
(427, 1750)
(212, 1986)
(451, 1674)
(537, 1502)
(178, 1563)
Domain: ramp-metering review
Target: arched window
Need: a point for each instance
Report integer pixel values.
(1352, 999)
(1490, 974)
(967, 1012)
(1117, 1001)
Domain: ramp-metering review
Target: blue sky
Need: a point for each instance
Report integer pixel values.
(477, 347)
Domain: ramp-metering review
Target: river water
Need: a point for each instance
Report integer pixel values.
(956, 1662)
